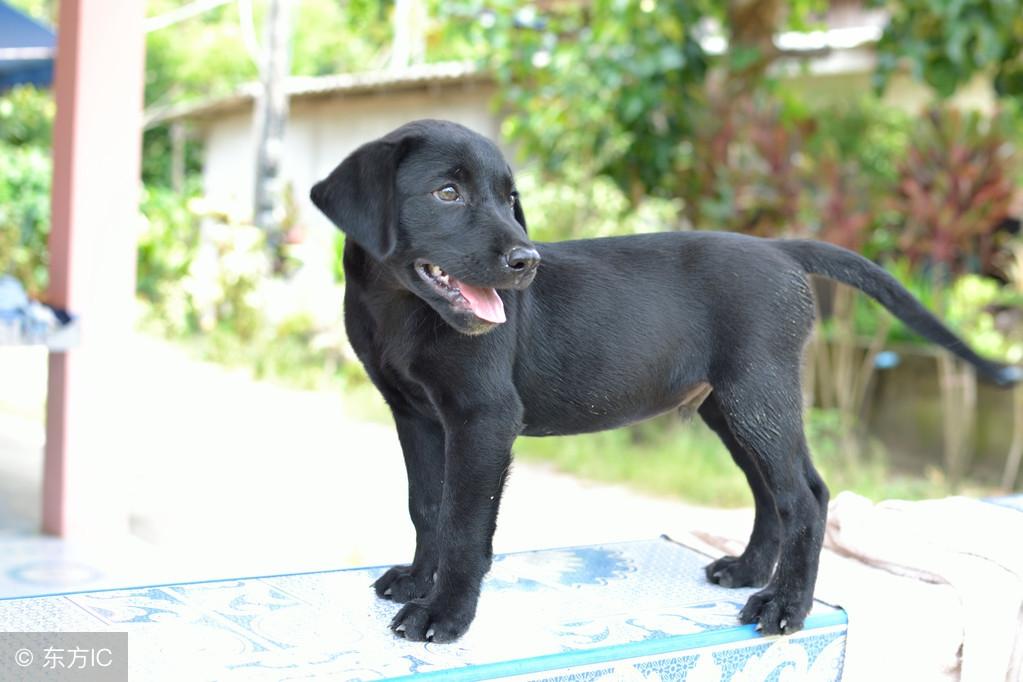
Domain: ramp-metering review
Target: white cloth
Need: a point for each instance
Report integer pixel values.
(933, 589)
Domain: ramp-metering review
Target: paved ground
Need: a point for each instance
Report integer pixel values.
(237, 476)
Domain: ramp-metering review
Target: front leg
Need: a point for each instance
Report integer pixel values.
(422, 444)
(478, 455)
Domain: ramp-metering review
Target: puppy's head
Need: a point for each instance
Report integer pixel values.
(435, 203)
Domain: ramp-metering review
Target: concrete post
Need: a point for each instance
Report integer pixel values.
(96, 149)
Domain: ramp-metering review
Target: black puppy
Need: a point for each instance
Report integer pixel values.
(474, 335)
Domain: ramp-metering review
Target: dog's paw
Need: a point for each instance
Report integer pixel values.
(773, 613)
(739, 571)
(404, 583)
(432, 620)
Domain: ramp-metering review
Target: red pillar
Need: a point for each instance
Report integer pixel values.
(96, 147)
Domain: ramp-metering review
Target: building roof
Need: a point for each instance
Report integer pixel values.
(26, 50)
(308, 87)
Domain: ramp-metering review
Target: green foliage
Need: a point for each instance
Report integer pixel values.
(26, 116)
(167, 245)
(974, 303)
(573, 205)
(610, 86)
(871, 475)
(623, 91)
(867, 313)
(863, 130)
(204, 279)
(338, 265)
(619, 88)
(25, 215)
(26, 124)
(43, 11)
(742, 168)
(203, 56)
(199, 270)
(207, 56)
(946, 44)
(224, 280)
(156, 157)
(771, 165)
(283, 354)
(337, 37)
(852, 155)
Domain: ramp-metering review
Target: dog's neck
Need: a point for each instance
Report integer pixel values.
(362, 269)
(386, 294)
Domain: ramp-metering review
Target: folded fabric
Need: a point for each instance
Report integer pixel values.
(12, 295)
(933, 589)
(972, 547)
(21, 319)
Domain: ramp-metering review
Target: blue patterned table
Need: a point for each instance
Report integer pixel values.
(640, 610)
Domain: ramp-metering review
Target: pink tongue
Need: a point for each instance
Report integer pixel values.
(484, 303)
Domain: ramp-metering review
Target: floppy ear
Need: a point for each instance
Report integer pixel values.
(520, 217)
(359, 195)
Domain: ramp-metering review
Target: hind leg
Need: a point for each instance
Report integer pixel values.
(764, 413)
(754, 566)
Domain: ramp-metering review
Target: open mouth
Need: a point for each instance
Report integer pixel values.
(483, 302)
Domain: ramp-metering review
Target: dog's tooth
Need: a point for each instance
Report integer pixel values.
(429, 634)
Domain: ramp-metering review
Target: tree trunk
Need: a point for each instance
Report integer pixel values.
(272, 116)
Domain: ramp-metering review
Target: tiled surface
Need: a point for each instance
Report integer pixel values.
(33, 565)
(638, 609)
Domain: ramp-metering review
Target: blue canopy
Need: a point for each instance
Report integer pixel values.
(26, 50)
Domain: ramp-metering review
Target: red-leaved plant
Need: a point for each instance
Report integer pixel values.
(955, 187)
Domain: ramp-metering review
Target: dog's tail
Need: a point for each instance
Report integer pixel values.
(840, 264)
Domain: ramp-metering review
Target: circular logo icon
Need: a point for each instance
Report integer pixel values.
(23, 657)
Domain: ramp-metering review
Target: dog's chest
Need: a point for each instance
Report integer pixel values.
(386, 340)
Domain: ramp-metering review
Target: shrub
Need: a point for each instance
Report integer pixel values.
(26, 117)
(25, 215)
(167, 244)
(955, 187)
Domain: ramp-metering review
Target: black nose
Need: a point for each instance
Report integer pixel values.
(522, 259)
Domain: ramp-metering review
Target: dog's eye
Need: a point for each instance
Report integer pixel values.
(512, 198)
(447, 193)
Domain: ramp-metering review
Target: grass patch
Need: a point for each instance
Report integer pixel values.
(661, 457)
(687, 461)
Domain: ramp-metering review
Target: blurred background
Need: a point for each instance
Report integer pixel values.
(891, 128)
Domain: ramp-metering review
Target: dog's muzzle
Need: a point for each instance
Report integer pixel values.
(521, 263)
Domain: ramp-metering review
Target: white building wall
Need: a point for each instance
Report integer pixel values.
(320, 133)
(229, 161)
